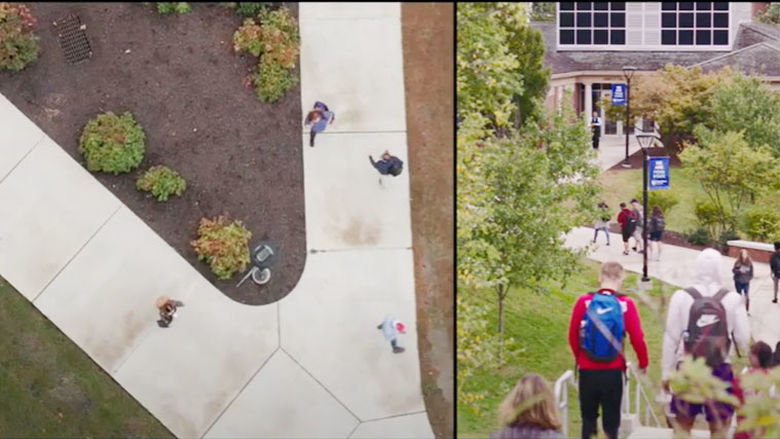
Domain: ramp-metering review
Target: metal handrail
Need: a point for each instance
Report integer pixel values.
(639, 395)
(560, 390)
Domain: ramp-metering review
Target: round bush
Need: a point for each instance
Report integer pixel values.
(112, 143)
(272, 81)
(162, 182)
(18, 45)
(224, 245)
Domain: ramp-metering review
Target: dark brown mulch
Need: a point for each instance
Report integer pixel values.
(179, 76)
(428, 74)
(635, 159)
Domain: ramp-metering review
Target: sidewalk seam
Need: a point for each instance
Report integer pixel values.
(322, 385)
(78, 252)
(252, 378)
(316, 250)
(11, 171)
(396, 416)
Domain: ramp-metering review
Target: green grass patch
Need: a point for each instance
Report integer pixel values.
(51, 388)
(539, 324)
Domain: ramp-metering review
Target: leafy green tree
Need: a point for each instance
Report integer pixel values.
(746, 103)
(730, 172)
(771, 15)
(543, 11)
(486, 78)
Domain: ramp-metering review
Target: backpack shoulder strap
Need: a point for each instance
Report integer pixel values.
(693, 292)
(721, 294)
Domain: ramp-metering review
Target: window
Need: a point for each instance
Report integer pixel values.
(695, 23)
(587, 23)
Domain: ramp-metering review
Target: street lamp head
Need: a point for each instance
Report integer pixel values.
(628, 71)
(645, 139)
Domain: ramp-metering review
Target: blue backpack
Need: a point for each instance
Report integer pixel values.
(602, 328)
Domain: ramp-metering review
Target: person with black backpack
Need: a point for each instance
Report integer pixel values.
(628, 221)
(703, 321)
(387, 165)
(599, 321)
(656, 232)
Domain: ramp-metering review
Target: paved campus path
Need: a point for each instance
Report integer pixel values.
(311, 365)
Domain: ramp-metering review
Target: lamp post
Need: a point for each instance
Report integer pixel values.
(628, 72)
(645, 141)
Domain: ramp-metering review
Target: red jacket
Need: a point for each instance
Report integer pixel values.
(633, 328)
(623, 217)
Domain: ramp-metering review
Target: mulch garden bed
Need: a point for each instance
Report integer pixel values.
(180, 78)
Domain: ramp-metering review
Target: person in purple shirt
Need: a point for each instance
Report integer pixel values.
(319, 119)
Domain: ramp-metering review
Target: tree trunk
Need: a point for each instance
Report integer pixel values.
(501, 296)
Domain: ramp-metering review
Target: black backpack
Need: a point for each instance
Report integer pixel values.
(708, 331)
(658, 223)
(631, 221)
(396, 167)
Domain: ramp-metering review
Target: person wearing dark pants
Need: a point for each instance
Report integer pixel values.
(600, 388)
(595, 127)
(598, 323)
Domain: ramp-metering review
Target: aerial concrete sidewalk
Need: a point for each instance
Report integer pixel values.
(311, 365)
(676, 268)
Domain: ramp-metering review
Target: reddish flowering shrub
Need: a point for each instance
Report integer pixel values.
(223, 244)
(18, 45)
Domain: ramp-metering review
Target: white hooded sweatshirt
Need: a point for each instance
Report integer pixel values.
(706, 281)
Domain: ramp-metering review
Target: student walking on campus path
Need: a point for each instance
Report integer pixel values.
(391, 327)
(743, 273)
(602, 223)
(627, 222)
(760, 362)
(702, 321)
(656, 230)
(319, 119)
(598, 323)
(636, 209)
(387, 165)
(529, 411)
(774, 268)
(167, 309)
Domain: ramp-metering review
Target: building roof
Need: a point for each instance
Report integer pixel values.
(756, 50)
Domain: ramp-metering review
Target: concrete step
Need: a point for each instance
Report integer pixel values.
(664, 433)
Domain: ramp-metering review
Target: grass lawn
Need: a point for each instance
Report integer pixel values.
(624, 185)
(50, 388)
(539, 324)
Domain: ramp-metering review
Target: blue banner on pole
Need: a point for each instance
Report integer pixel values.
(658, 173)
(618, 94)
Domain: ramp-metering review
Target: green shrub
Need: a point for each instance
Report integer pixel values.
(699, 236)
(760, 223)
(247, 38)
(249, 9)
(223, 245)
(665, 199)
(162, 182)
(170, 8)
(272, 81)
(18, 45)
(709, 216)
(724, 239)
(112, 143)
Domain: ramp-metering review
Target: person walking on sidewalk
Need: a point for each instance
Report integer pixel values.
(319, 119)
(639, 214)
(167, 309)
(702, 321)
(774, 268)
(760, 363)
(602, 223)
(391, 328)
(387, 165)
(627, 222)
(529, 411)
(743, 273)
(656, 230)
(596, 329)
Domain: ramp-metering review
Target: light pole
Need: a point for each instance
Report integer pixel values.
(645, 141)
(628, 72)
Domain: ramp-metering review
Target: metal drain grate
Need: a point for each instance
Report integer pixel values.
(73, 39)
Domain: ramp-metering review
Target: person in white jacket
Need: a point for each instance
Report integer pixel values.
(706, 280)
